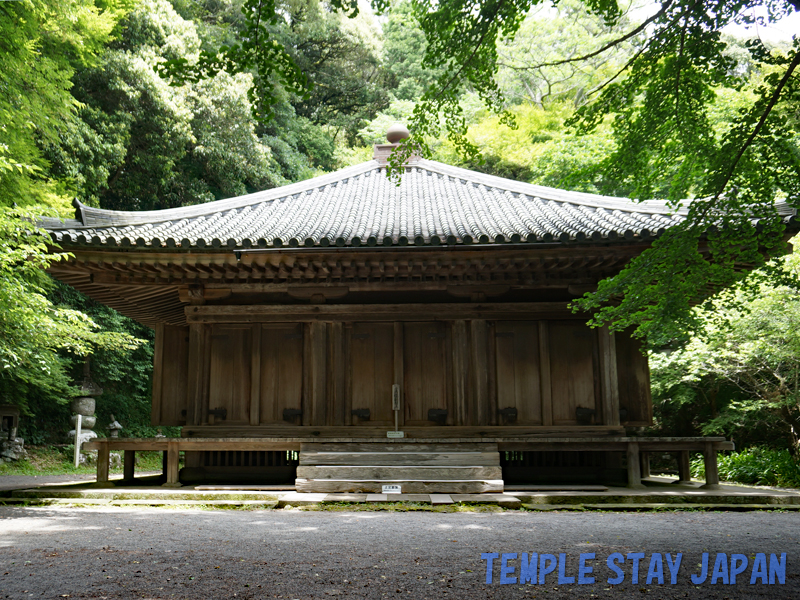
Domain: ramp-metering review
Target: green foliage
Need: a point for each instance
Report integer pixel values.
(33, 329)
(755, 466)
(340, 57)
(404, 51)
(540, 150)
(126, 378)
(532, 69)
(140, 144)
(742, 378)
(303, 48)
(41, 44)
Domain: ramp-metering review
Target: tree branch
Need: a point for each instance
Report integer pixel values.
(610, 44)
(764, 115)
(471, 56)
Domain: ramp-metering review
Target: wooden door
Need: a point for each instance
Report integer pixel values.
(229, 374)
(371, 373)
(574, 371)
(518, 373)
(281, 394)
(426, 372)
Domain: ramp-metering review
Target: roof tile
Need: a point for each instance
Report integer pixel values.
(433, 204)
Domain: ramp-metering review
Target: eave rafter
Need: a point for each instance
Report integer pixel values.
(145, 285)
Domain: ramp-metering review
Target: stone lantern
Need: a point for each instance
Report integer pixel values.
(84, 405)
(114, 428)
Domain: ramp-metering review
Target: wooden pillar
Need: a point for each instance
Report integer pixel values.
(712, 472)
(479, 382)
(158, 377)
(128, 465)
(684, 468)
(172, 465)
(460, 369)
(337, 413)
(315, 401)
(102, 462)
(645, 464)
(608, 377)
(634, 470)
(544, 370)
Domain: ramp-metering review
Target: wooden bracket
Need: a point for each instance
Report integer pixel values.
(318, 294)
(197, 294)
(575, 289)
(477, 293)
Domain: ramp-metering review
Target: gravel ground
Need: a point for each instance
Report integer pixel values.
(149, 553)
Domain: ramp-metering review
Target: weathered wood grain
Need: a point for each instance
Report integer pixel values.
(438, 459)
(398, 473)
(448, 447)
(609, 376)
(377, 312)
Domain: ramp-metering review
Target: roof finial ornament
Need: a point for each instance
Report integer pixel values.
(397, 132)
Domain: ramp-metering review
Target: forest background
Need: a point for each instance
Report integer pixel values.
(87, 111)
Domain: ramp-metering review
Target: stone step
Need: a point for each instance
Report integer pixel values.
(397, 447)
(437, 459)
(398, 472)
(450, 486)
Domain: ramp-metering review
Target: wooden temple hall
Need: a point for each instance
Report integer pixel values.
(347, 333)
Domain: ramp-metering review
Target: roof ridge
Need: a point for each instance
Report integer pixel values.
(552, 194)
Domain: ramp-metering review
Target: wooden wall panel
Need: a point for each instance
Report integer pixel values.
(609, 376)
(518, 376)
(171, 375)
(572, 370)
(633, 380)
(229, 373)
(426, 371)
(337, 411)
(461, 388)
(281, 377)
(198, 374)
(371, 372)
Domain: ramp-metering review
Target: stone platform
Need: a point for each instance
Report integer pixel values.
(658, 494)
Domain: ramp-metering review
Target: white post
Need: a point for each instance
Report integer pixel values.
(396, 408)
(78, 441)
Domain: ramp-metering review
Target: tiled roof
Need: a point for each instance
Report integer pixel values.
(434, 204)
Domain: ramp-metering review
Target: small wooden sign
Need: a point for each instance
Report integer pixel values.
(395, 434)
(391, 489)
(396, 397)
